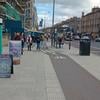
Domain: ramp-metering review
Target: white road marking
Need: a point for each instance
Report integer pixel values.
(60, 57)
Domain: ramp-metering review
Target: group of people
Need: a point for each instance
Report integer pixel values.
(20, 37)
(59, 41)
(40, 41)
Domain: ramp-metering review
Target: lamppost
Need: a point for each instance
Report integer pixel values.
(53, 17)
(44, 22)
(1, 35)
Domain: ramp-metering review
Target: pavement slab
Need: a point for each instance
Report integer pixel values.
(33, 79)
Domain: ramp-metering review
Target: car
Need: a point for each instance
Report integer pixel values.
(85, 37)
(67, 38)
(76, 37)
(97, 39)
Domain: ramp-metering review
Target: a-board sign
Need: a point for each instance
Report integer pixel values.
(15, 48)
(5, 66)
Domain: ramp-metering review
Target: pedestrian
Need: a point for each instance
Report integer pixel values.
(60, 41)
(70, 42)
(29, 42)
(42, 41)
(23, 42)
(38, 40)
(45, 43)
(17, 36)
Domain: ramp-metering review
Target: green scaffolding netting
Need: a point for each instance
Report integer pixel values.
(11, 12)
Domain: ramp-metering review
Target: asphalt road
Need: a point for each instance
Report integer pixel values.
(95, 46)
(77, 83)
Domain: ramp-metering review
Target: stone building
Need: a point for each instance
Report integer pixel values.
(73, 23)
(90, 23)
(30, 16)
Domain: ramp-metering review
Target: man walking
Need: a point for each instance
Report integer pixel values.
(38, 40)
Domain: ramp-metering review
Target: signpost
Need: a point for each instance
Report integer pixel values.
(5, 66)
(1, 35)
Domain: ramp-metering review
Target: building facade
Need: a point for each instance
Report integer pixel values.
(11, 10)
(90, 23)
(30, 15)
(73, 23)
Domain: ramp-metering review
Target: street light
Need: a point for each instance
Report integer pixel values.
(53, 17)
(1, 22)
(53, 14)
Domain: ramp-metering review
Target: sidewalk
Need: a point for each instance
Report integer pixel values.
(33, 79)
(90, 63)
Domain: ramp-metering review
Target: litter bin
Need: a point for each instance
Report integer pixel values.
(85, 44)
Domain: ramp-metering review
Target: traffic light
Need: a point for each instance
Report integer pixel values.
(41, 23)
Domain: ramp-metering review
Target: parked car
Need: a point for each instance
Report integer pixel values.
(76, 37)
(97, 39)
(67, 38)
(85, 37)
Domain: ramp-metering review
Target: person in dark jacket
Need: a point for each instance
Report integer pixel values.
(38, 40)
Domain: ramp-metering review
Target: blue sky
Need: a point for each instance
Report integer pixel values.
(44, 8)
(64, 9)
(44, 11)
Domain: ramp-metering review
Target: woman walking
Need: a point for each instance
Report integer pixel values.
(29, 42)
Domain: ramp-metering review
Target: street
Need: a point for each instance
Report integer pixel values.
(77, 83)
(95, 46)
(49, 50)
(53, 73)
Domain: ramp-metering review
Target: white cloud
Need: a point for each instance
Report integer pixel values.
(95, 3)
(65, 9)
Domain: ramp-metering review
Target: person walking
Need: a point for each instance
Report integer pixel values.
(42, 41)
(38, 40)
(20, 37)
(29, 42)
(17, 36)
(70, 41)
(60, 41)
(23, 41)
(45, 43)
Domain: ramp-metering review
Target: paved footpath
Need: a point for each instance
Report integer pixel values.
(36, 79)
(33, 79)
(90, 63)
